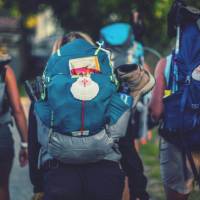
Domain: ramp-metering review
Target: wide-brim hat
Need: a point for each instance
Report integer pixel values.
(5, 58)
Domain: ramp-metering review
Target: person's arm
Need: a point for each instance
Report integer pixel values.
(18, 112)
(57, 45)
(156, 102)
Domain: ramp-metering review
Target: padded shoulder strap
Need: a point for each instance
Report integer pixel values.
(2, 74)
(168, 68)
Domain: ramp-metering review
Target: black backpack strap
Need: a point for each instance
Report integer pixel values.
(2, 74)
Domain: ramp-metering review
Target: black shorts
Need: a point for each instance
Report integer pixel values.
(6, 144)
(103, 180)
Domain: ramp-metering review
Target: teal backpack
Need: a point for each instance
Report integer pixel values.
(119, 39)
(79, 100)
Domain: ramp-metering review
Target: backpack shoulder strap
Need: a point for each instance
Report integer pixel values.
(2, 74)
(167, 68)
(167, 71)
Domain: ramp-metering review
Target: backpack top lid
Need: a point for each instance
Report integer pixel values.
(188, 57)
(116, 34)
(78, 48)
(72, 104)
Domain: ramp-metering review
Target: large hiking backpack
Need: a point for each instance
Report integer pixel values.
(79, 101)
(181, 123)
(119, 38)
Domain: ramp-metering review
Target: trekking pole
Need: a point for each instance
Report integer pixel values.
(179, 4)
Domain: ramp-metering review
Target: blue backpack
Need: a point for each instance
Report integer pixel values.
(81, 115)
(117, 34)
(119, 38)
(181, 120)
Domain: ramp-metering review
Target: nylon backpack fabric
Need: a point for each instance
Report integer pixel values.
(181, 123)
(57, 71)
(77, 133)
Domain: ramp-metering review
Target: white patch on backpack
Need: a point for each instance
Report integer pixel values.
(80, 133)
(84, 89)
(84, 66)
(196, 73)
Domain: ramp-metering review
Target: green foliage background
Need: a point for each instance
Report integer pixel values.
(90, 15)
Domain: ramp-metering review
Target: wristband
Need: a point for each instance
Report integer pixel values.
(24, 145)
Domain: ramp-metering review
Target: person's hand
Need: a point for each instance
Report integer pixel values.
(23, 157)
(38, 196)
(135, 16)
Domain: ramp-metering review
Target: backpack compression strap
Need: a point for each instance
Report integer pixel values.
(2, 73)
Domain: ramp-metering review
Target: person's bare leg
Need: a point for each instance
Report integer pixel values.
(137, 145)
(4, 193)
(173, 195)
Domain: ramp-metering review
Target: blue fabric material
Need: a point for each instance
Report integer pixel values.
(116, 34)
(66, 109)
(118, 104)
(189, 55)
(138, 54)
(183, 107)
(167, 68)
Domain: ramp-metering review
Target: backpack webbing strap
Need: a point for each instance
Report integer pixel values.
(184, 99)
(173, 75)
(192, 165)
(170, 82)
(2, 74)
(188, 153)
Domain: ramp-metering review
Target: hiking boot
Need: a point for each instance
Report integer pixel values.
(5, 58)
(140, 81)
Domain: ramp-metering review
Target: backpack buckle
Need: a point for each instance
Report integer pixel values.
(195, 106)
(187, 80)
(53, 164)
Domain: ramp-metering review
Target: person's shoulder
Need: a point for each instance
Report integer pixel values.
(9, 74)
(9, 69)
(160, 67)
(161, 64)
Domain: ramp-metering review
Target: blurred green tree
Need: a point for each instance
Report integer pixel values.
(91, 15)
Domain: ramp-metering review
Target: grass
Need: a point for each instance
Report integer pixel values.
(150, 157)
(22, 91)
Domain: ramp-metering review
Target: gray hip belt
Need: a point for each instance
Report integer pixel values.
(82, 149)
